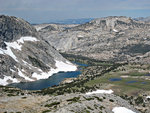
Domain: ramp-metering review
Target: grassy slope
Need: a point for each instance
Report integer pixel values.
(122, 87)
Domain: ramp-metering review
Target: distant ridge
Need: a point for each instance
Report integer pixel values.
(144, 19)
(113, 38)
(75, 21)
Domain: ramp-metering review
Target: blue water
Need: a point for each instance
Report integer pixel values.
(143, 82)
(147, 74)
(45, 83)
(55, 79)
(131, 82)
(80, 64)
(115, 79)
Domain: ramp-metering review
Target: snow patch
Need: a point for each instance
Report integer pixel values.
(16, 45)
(1, 51)
(115, 30)
(12, 70)
(100, 91)
(29, 65)
(22, 75)
(60, 66)
(6, 78)
(148, 97)
(8, 52)
(122, 110)
(40, 27)
(81, 36)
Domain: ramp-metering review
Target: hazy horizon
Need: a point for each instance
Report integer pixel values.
(44, 11)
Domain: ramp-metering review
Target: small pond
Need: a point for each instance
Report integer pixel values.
(80, 64)
(115, 79)
(147, 74)
(143, 82)
(129, 82)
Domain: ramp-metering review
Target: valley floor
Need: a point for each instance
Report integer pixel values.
(129, 83)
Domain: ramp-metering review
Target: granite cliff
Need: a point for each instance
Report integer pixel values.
(25, 55)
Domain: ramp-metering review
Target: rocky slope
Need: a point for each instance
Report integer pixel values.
(114, 38)
(69, 103)
(25, 55)
(54, 28)
(83, 103)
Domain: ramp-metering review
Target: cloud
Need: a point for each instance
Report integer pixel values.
(73, 4)
(61, 9)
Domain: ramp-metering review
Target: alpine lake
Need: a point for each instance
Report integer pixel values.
(53, 80)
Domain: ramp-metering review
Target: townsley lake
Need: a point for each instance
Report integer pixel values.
(55, 79)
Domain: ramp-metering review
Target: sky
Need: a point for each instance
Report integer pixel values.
(43, 11)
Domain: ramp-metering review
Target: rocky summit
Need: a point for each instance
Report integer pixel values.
(114, 38)
(25, 55)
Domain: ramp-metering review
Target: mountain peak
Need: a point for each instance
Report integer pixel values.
(113, 21)
(13, 28)
(113, 38)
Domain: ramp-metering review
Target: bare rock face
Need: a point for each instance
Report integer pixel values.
(82, 103)
(24, 54)
(13, 28)
(119, 39)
